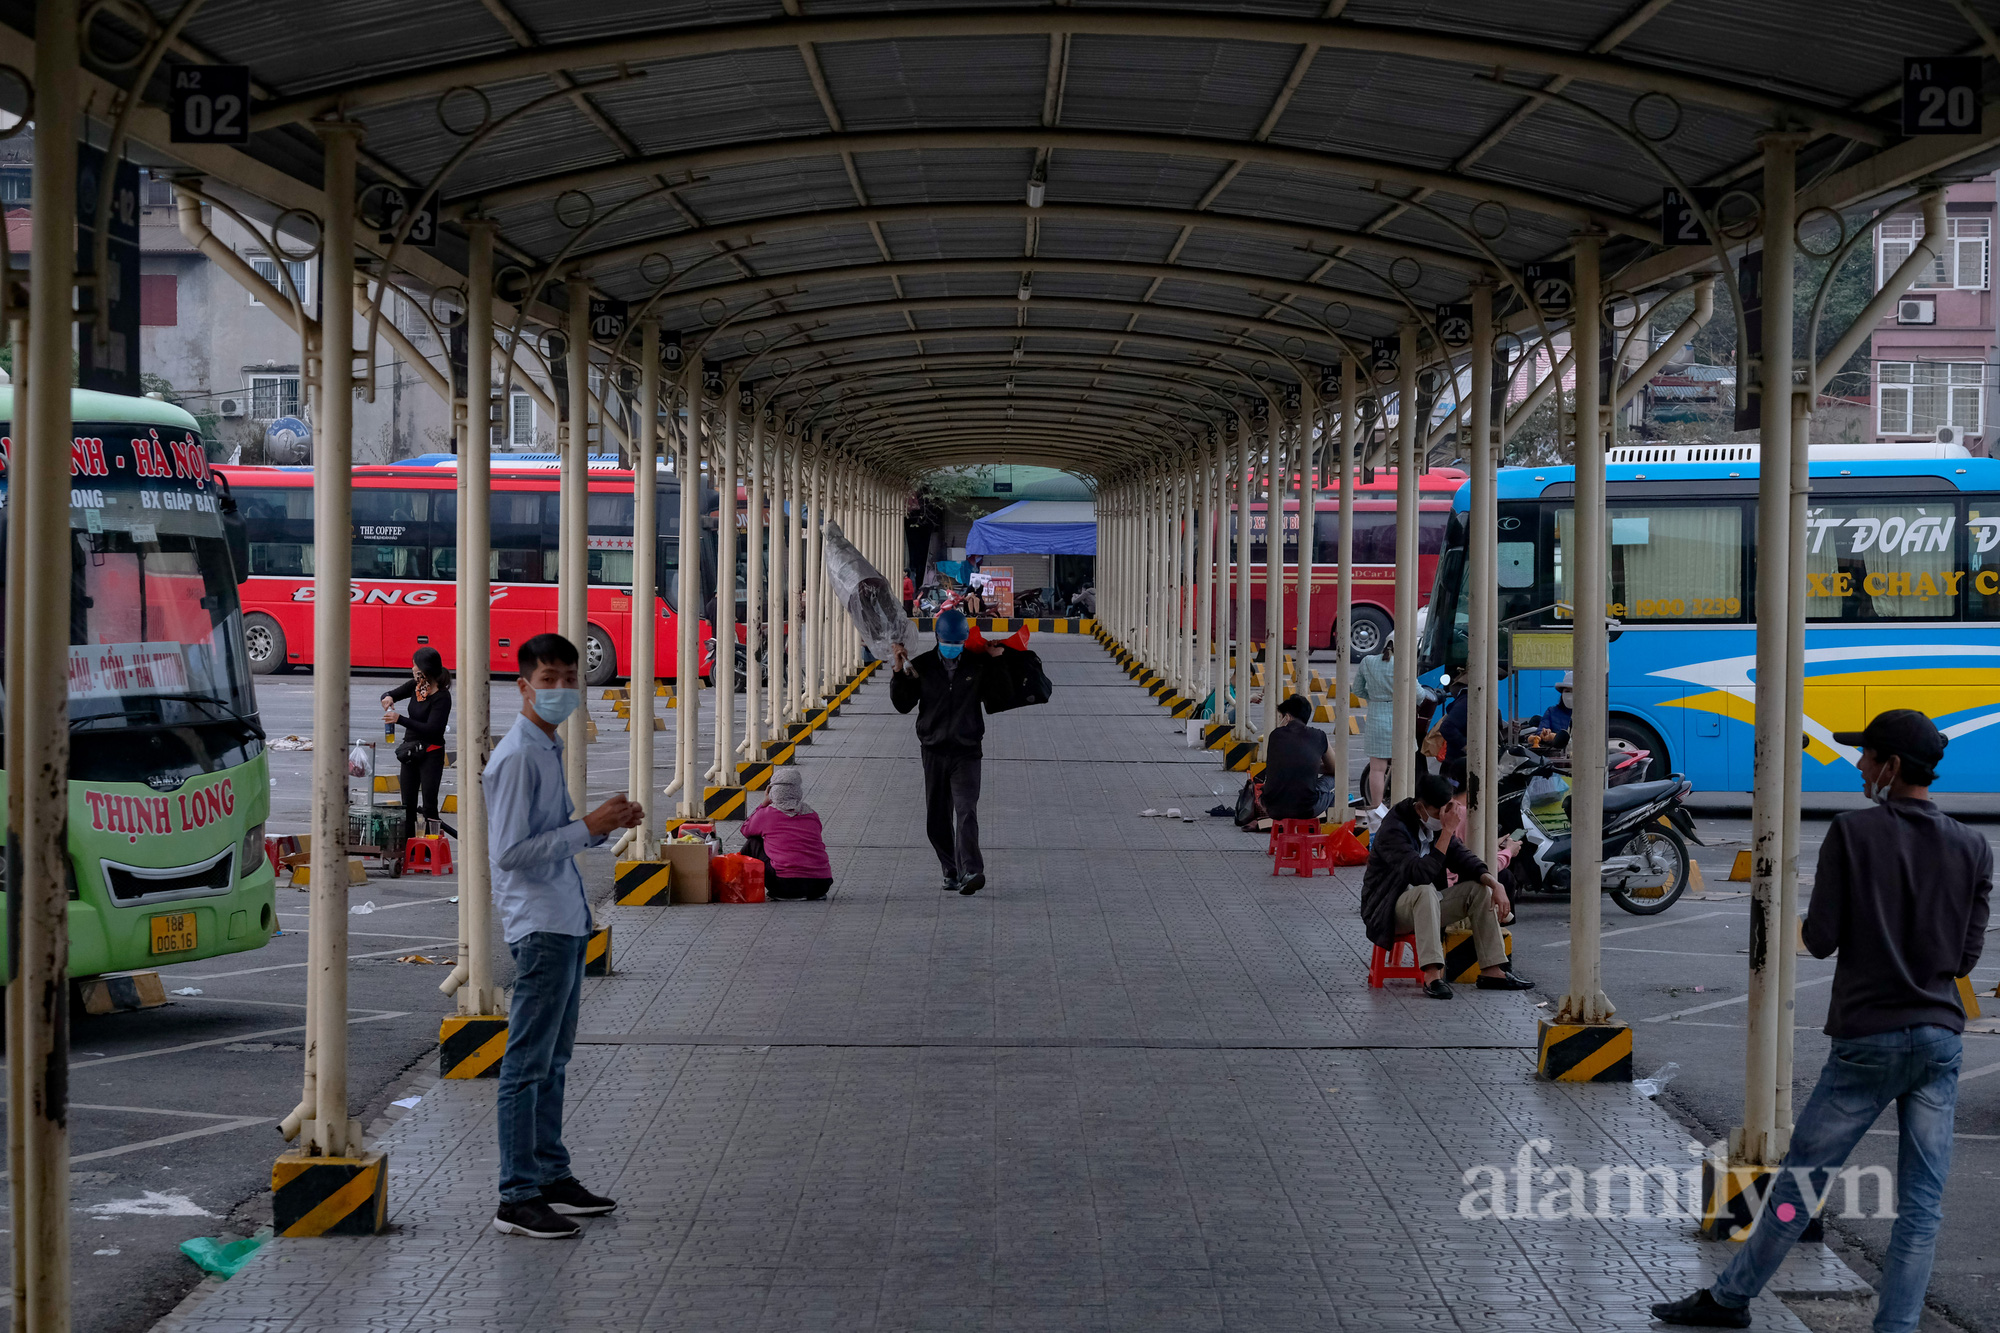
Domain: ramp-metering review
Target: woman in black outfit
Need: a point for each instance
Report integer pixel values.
(429, 693)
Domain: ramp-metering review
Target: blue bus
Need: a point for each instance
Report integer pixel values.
(1902, 611)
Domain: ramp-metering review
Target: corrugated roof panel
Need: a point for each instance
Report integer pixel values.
(1154, 180)
(957, 236)
(1171, 85)
(685, 104)
(297, 48)
(758, 189)
(1397, 108)
(1070, 239)
(553, 21)
(994, 81)
(941, 175)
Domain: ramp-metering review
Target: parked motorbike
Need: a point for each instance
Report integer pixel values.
(1647, 828)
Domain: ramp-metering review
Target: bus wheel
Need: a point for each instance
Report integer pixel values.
(1634, 732)
(1368, 633)
(600, 659)
(264, 643)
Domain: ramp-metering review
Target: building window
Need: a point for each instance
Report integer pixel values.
(301, 271)
(1963, 263)
(1923, 397)
(274, 396)
(159, 299)
(521, 421)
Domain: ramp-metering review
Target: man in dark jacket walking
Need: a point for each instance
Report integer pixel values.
(947, 687)
(1404, 889)
(1901, 894)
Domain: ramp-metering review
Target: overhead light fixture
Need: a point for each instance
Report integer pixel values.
(1038, 187)
(1027, 288)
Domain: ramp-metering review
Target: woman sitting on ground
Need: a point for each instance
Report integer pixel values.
(790, 843)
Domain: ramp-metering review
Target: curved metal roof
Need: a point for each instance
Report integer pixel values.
(832, 199)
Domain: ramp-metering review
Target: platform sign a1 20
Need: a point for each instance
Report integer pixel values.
(1941, 95)
(211, 104)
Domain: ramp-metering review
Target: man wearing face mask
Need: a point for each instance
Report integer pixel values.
(533, 838)
(946, 686)
(1405, 891)
(1901, 894)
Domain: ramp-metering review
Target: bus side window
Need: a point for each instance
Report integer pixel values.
(1668, 562)
(279, 524)
(515, 521)
(1375, 537)
(444, 535)
(1982, 565)
(610, 526)
(1894, 560)
(391, 534)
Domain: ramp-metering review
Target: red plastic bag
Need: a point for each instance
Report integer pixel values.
(1346, 849)
(736, 879)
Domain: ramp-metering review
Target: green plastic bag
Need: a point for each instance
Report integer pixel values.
(225, 1259)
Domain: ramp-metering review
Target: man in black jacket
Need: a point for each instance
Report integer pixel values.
(1901, 895)
(947, 687)
(1403, 891)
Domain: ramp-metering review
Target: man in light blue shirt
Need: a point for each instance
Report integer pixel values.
(533, 837)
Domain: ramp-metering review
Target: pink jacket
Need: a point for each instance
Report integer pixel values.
(793, 842)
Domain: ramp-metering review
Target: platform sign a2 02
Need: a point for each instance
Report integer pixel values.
(211, 104)
(1941, 95)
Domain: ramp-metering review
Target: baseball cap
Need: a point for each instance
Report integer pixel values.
(1902, 731)
(1568, 682)
(952, 626)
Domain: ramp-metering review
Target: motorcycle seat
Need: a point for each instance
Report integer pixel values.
(1617, 800)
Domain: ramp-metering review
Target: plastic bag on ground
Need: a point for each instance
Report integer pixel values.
(223, 1258)
(735, 878)
(1654, 1086)
(876, 608)
(1347, 849)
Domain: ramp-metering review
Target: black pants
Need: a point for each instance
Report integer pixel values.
(424, 775)
(951, 807)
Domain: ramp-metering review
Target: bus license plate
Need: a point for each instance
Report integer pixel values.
(173, 933)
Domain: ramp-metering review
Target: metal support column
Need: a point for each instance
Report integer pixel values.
(755, 532)
(645, 591)
(1307, 453)
(725, 593)
(1202, 510)
(38, 706)
(573, 570)
(1760, 1139)
(687, 599)
(1276, 471)
(1241, 582)
(794, 473)
(1482, 648)
(1585, 1002)
(1343, 578)
(1409, 430)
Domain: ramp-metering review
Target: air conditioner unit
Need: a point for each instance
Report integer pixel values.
(1950, 435)
(231, 407)
(1916, 312)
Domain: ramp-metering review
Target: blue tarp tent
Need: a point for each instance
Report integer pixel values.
(1036, 527)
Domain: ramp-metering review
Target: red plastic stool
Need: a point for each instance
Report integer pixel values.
(1386, 964)
(431, 854)
(1298, 845)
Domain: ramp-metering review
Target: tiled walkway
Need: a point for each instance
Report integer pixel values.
(1137, 1084)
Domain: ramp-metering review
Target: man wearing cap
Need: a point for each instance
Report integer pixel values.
(1901, 895)
(1558, 716)
(946, 686)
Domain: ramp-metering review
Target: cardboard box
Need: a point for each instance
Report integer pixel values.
(690, 870)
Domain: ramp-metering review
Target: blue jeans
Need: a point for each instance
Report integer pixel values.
(541, 1032)
(1916, 1068)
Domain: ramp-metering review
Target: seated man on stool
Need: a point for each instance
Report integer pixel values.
(1404, 890)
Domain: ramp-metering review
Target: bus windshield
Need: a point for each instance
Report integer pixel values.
(155, 634)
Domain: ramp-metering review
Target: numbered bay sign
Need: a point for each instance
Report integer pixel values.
(1384, 356)
(608, 315)
(1680, 224)
(1329, 383)
(1455, 325)
(1552, 285)
(423, 231)
(1941, 95)
(211, 104)
(711, 379)
(671, 355)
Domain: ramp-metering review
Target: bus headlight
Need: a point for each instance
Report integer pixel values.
(253, 851)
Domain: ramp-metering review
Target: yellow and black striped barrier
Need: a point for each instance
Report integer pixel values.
(1215, 735)
(597, 953)
(1241, 757)
(1461, 955)
(1967, 998)
(470, 1045)
(1033, 624)
(1584, 1052)
(724, 802)
(1732, 1196)
(330, 1196)
(1180, 707)
(642, 884)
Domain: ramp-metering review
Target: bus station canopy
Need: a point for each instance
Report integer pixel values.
(1075, 235)
(1036, 527)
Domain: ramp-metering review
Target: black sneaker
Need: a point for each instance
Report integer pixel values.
(1506, 981)
(533, 1218)
(972, 884)
(570, 1199)
(1437, 988)
(950, 884)
(1700, 1310)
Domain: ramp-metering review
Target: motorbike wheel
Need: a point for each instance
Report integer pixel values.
(1649, 842)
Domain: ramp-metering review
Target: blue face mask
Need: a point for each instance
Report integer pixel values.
(950, 651)
(553, 706)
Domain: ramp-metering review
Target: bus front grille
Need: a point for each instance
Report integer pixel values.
(129, 885)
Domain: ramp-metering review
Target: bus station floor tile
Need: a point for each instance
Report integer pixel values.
(1137, 1084)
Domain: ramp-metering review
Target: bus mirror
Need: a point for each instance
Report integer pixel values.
(235, 532)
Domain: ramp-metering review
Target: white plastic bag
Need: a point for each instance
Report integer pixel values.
(1657, 1084)
(875, 607)
(359, 762)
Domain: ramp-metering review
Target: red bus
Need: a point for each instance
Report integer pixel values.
(405, 543)
(1374, 556)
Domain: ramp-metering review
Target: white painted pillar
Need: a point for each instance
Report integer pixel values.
(1409, 430)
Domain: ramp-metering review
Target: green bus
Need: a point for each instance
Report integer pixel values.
(168, 785)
